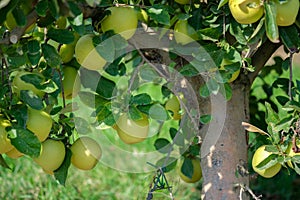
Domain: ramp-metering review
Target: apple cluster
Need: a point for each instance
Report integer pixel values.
(250, 11)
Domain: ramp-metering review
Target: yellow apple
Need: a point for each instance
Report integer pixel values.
(246, 11)
(286, 12)
(197, 172)
(122, 20)
(39, 122)
(130, 131)
(18, 84)
(52, 155)
(183, 1)
(259, 155)
(184, 33)
(87, 55)
(86, 153)
(173, 105)
(71, 82)
(14, 153)
(5, 144)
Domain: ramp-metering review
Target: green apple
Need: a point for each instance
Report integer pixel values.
(61, 22)
(18, 84)
(286, 12)
(5, 144)
(132, 131)
(259, 155)
(184, 33)
(71, 82)
(87, 55)
(52, 155)
(197, 172)
(39, 122)
(86, 153)
(143, 16)
(246, 11)
(122, 20)
(291, 153)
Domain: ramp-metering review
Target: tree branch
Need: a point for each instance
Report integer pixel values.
(17, 32)
(261, 56)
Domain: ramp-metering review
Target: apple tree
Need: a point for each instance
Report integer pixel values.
(177, 75)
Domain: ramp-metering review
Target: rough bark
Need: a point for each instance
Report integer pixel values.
(224, 160)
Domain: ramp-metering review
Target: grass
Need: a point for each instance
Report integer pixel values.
(28, 181)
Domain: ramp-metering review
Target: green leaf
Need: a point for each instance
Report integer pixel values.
(222, 3)
(25, 141)
(2, 161)
(290, 37)
(268, 162)
(41, 8)
(105, 88)
(236, 30)
(51, 55)
(92, 100)
(292, 105)
(6, 8)
(104, 115)
(205, 119)
(271, 115)
(189, 70)
(187, 168)
(63, 36)
(148, 73)
(270, 21)
(285, 123)
(163, 145)
(159, 14)
(61, 173)
(17, 60)
(204, 91)
(158, 112)
(102, 45)
(141, 99)
(167, 163)
(134, 113)
(177, 137)
(226, 91)
(82, 126)
(213, 86)
(19, 16)
(28, 97)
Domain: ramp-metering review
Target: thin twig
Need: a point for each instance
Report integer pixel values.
(245, 188)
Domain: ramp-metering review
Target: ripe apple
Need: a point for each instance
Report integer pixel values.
(286, 12)
(130, 131)
(87, 55)
(173, 105)
(86, 153)
(122, 20)
(39, 122)
(184, 33)
(71, 82)
(259, 155)
(197, 172)
(246, 11)
(183, 1)
(14, 153)
(5, 144)
(234, 75)
(18, 84)
(52, 155)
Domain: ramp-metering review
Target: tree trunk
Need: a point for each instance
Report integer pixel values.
(224, 155)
